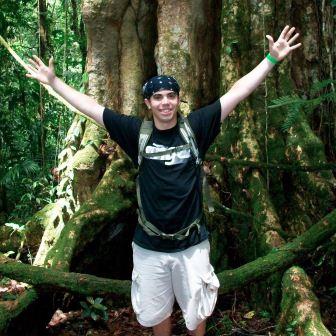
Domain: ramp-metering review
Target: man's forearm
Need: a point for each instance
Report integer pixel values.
(80, 101)
(247, 84)
(244, 87)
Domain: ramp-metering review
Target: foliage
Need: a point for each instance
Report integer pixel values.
(36, 193)
(295, 104)
(291, 329)
(21, 156)
(15, 171)
(94, 308)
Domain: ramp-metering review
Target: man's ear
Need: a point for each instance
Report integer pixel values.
(147, 103)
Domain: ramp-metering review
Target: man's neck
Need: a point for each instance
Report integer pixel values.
(162, 125)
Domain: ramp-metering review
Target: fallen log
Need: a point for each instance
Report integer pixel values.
(279, 258)
(50, 279)
(230, 279)
(300, 309)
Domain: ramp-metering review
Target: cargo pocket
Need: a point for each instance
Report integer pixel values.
(135, 292)
(210, 285)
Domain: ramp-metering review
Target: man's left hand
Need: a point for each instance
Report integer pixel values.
(284, 44)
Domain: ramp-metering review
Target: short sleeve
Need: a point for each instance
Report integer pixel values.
(124, 130)
(206, 123)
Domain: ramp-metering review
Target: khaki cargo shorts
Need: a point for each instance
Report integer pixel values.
(159, 278)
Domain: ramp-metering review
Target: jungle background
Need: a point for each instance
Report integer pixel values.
(67, 195)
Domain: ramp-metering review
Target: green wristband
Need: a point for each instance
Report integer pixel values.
(272, 59)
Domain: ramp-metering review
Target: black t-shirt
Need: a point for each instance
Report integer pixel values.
(170, 185)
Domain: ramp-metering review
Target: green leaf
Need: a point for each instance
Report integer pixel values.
(86, 313)
(285, 100)
(105, 316)
(99, 300)
(90, 300)
(84, 304)
(99, 306)
(317, 86)
(94, 316)
(265, 314)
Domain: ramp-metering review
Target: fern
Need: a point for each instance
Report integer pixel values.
(293, 104)
(318, 86)
(285, 100)
(292, 117)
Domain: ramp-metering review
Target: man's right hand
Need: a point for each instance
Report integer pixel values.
(82, 102)
(41, 72)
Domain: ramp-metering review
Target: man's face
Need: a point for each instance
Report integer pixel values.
(164, 105)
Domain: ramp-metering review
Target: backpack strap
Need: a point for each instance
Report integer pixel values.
(146, 130)
(189, 137)
(152, 230)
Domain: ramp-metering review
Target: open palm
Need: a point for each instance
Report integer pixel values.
(283, 45)
(41, 72)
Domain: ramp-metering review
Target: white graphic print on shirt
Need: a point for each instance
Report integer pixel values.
(170, 159)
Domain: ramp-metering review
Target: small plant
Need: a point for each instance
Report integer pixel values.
(227, 324)
(265, 314)
(21, 231)
(291, 328)
(94, 308)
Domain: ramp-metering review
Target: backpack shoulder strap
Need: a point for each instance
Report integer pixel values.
(189, 137)
(146, 130)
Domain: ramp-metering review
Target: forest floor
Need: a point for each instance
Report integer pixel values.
(122, 322)
(232, 316)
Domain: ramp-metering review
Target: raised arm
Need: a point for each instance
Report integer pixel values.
(46, 74)
(247, 84)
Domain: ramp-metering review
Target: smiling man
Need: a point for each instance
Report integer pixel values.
(170, 245)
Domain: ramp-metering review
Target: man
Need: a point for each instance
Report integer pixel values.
(170, 246)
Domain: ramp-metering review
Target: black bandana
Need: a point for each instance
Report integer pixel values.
(158, 83)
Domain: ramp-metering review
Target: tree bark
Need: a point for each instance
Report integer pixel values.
(300, 309)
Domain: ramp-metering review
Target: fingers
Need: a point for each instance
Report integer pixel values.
(289, 33)
(31, 69)
(33, 63)
(51, 62)
(284, 32)
(38, 60)
(293, 38)
(295, 46)
(270, 39)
